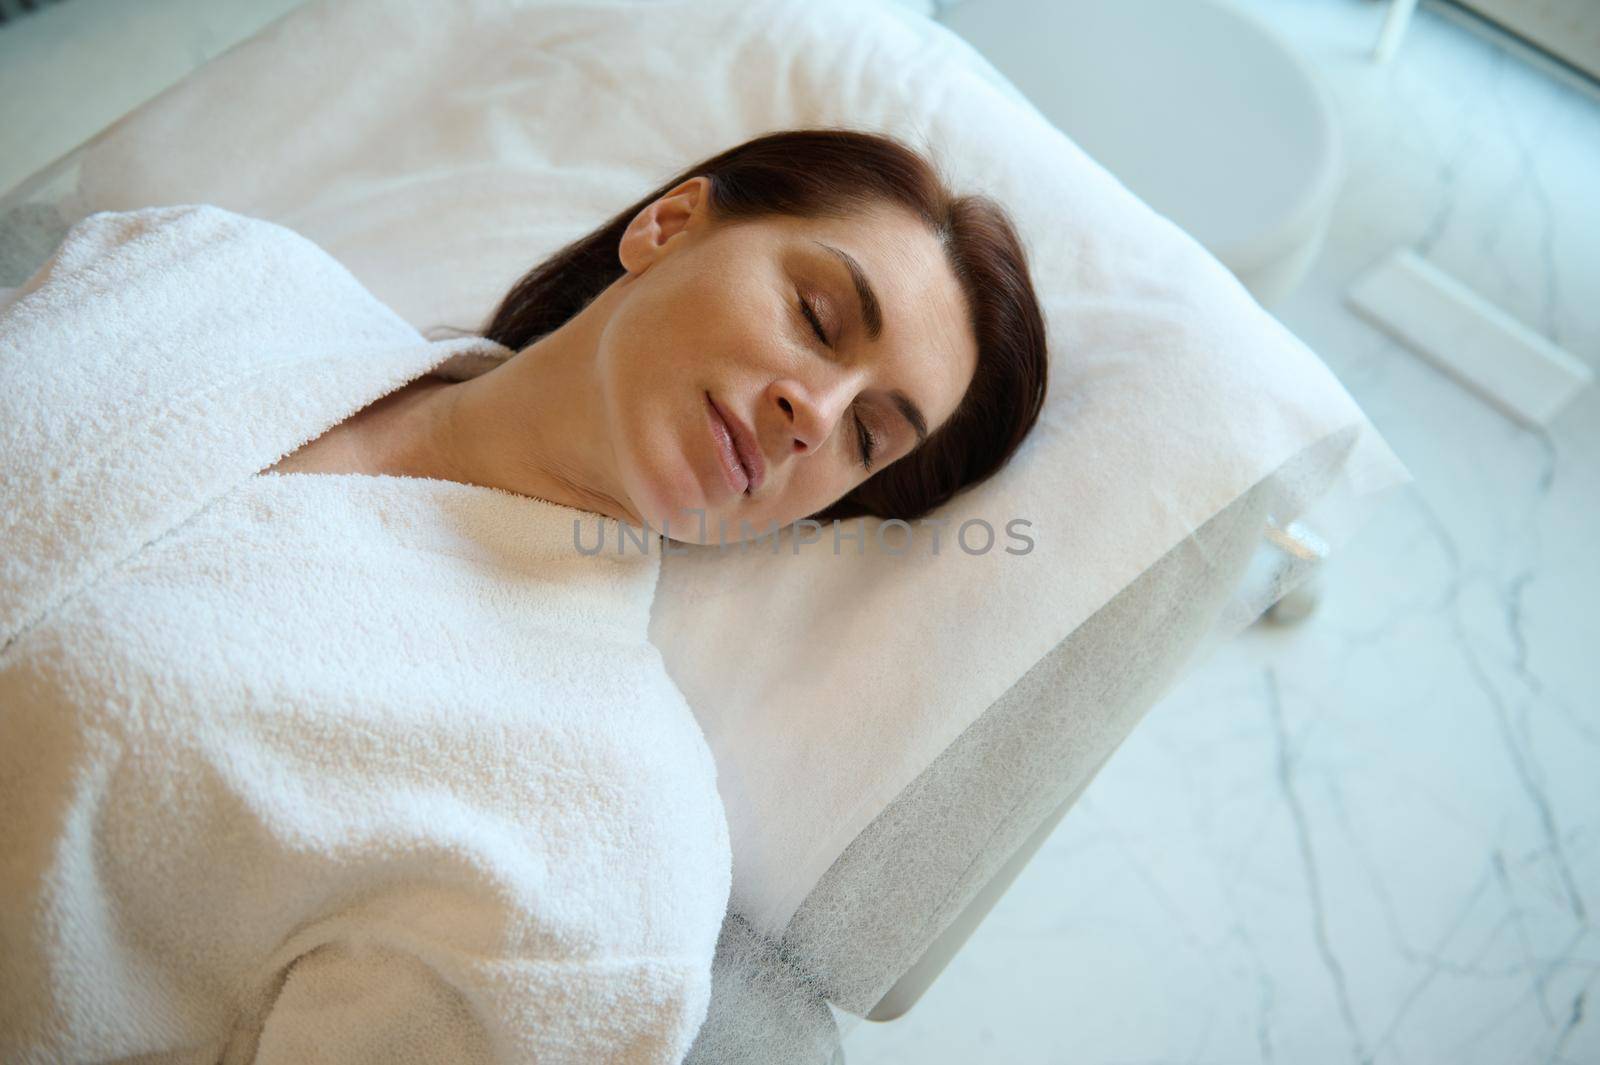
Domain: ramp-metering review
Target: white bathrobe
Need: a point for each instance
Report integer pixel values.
(304, 767)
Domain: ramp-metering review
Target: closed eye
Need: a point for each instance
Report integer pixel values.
(868, 443)
(811, 316)
(864, 437)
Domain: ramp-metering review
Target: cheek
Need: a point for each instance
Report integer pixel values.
(638, 356)
(649, 437)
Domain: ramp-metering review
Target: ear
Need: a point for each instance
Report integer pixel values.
(677, 211)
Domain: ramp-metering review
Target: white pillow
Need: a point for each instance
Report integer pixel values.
(439, 151)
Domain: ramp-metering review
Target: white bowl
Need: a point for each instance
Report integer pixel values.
(1200, 110)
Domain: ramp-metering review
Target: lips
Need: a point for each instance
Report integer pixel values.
(738, 448)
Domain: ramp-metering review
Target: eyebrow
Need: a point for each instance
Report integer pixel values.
(871, 313)
(872, 316)
(911, 413)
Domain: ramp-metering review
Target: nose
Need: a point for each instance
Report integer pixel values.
(808, 415)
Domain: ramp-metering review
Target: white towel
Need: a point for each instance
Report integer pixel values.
(302, 768)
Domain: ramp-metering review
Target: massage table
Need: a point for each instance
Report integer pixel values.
(1195, 462)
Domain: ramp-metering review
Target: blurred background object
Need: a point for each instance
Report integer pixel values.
(13, 9)
(1198, 107)
(1561, 36)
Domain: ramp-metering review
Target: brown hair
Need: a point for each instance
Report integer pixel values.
(831, 172)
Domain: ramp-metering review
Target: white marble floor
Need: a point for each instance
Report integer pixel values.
(1375, 837)
(1371, 838)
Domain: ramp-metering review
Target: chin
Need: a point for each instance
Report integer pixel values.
(671, 502)
(666, 490)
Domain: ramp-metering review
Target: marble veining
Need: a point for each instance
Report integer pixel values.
(1374, 837)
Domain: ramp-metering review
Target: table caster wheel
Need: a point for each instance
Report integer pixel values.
(1298, 604)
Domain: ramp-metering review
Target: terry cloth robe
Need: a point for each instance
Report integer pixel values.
(305, 767)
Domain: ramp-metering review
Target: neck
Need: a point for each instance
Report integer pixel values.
(534, 425)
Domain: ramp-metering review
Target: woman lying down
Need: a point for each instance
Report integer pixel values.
(320, 737)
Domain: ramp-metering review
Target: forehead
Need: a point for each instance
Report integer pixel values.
(927, 346)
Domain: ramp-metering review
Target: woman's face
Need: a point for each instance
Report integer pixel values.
(711, 341)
